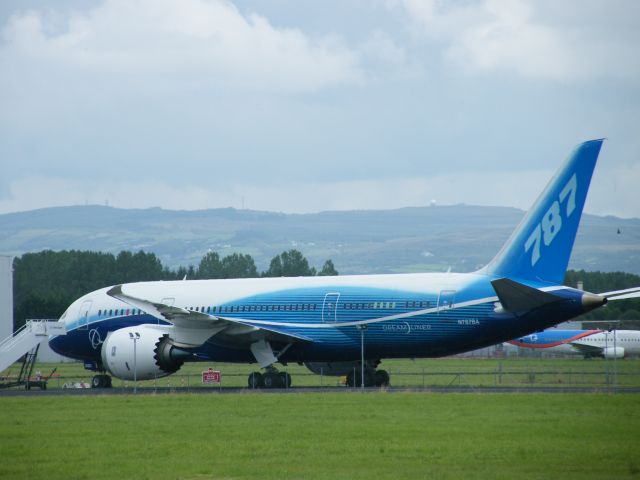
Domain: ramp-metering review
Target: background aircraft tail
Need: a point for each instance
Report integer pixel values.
(540, 247)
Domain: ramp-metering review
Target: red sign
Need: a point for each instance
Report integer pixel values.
(211, 376)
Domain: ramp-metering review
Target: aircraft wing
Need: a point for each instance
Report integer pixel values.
(587, 350)
(622, 294)
(240, 330)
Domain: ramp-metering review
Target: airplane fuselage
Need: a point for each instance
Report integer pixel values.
(583, 342)
(149, 329)
(406, 315)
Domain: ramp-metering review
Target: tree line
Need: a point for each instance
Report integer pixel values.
(627, 311)
(47, 282)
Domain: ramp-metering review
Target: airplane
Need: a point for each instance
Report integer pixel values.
(343, 325)
(589, 343)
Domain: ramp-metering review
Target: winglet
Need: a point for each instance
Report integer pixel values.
(540, 247)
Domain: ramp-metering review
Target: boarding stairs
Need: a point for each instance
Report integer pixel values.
(26, 339)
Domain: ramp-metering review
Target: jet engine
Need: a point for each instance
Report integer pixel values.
(143, 352)
(611, 352)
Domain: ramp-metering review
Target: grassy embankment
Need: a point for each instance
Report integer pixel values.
(324, 436)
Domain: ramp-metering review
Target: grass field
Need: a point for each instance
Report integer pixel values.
(480, 372)
(321, 436)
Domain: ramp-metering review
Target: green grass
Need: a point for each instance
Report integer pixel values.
(477, 372)
(321, 436)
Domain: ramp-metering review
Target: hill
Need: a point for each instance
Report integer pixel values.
(430, 238)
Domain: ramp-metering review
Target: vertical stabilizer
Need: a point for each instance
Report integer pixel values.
(540, 247)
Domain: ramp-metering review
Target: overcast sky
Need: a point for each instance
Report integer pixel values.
(302, 106)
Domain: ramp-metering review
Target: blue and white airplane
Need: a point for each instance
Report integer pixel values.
(588, 343)
(319, 321)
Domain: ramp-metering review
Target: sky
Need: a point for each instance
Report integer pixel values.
(304, 106)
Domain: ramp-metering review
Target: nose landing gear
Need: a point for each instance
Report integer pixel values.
(101, 381)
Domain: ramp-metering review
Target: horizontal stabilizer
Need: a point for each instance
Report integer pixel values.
(516, 297)
(622, 294)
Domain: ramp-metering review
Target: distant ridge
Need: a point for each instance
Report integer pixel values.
(409, 239)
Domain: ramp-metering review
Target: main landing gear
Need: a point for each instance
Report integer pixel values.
(101, 381)
(265, 357)
(372, 378)
(270, 379)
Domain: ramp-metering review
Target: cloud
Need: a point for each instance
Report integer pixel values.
(612, 192)
(563, 41)
(203, 42)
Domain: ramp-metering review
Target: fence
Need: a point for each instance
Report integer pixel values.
(401, 378)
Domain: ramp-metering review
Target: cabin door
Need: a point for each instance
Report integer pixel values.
(446, 299)
(330, 307)
(84, 315)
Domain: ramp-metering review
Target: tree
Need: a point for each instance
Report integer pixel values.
(188, 273)
(289, 264)
(138, 267)
(210, 266)
(328, 269)
(238, 265)
(599, 282)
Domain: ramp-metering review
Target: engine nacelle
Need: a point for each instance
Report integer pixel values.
(611, 352)
(155, 354)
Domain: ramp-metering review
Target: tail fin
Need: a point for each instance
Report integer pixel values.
(540, 247)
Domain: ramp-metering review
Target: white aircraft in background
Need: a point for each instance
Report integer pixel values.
(590, 343)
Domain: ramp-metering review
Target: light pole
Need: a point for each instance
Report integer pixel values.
(362, 327)
(615, 365)
(135, 336)
(612, 325)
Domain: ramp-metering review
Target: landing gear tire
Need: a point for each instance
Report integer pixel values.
(285, 379)
(101, 381)
(273, 380)
(382, 378)
(256, 380)
(356, 381)
(372, 378)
